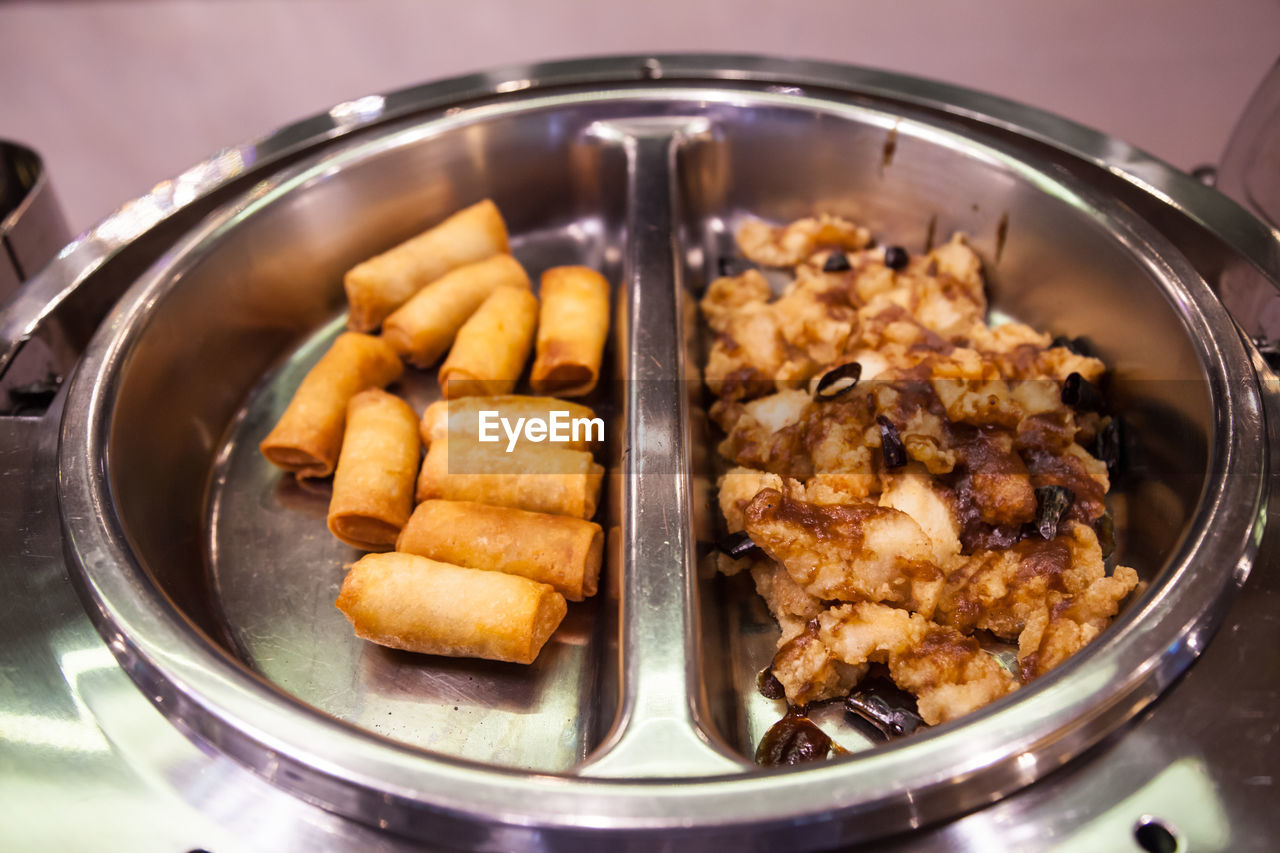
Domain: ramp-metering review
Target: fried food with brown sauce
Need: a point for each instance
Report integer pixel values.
(867, 558)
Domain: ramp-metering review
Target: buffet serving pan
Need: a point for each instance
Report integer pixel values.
(212, 579)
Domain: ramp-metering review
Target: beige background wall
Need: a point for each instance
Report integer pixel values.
(118, 95)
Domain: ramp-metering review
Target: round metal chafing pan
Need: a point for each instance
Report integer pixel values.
(642, 720)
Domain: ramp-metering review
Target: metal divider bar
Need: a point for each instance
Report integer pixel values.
(659, 729)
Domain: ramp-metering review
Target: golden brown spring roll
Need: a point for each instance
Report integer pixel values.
(460, 419)
(383, 283)
(572, 327)
(555, 549)
(308, 435)
(409, 602)
(538, 478)
(373, 486)
(491, 348)
(424, 327)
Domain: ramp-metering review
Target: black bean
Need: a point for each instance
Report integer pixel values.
(838, 381)
(1109, 444)
(769, 685)
(737, 545)
(1081, 394)
(896, 257)
(1079, 346)
(884, 706)
(836, 262)
(792, 740)
(1052, 503)
(895, 453)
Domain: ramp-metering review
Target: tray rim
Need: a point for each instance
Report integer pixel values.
(135, 657)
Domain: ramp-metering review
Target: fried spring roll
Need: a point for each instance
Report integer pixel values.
(460, 419)
(308, 435)
(383, 283)
(373, 486)
(538, 479)
(491, 348)
(424, 327)
(554, 549)
(409, 602)
(572, 327)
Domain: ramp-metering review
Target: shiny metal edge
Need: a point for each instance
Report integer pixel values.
(1247, 143)
(31, 233)
(780, 798)
(658, 731)
(42, 180)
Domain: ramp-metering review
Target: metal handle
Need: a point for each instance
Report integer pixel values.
(32, 230)
(658, 730)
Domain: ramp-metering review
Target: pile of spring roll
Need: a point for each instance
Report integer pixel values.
(489, 544)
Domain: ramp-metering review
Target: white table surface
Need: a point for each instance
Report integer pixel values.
(119, 95)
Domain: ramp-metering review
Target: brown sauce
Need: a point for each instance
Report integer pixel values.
(842, 522)
(1022, 360)
(1002, 234)
(1038, 558)
(1051, 469)
(889, 148)
(993, 494)
(745, 383)
(987, 451)
(797, 643)
(769, 685)
(1050, 432)
(946, 643)
(931, 341)
(793, 740)
(836, 300)
(782, 452)
(976, 534)
(945, 649)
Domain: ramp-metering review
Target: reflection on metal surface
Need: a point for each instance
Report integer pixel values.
(1250, 173)
(660, 731)
(141, 215)
(512, 86)
(39, 730)
(1250, 170)
(31, 223)
(359, 111)
(32, 229)
(1182, 797)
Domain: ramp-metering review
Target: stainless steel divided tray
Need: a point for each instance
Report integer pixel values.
(213, 577)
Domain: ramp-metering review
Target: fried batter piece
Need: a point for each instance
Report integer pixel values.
(771, 246)
(915, 493)
(864, 559)
(810, 672)
(947, 671)
(1051, 597)
(851, 552)
(727, 296)
(787, 601)
(807, 672)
